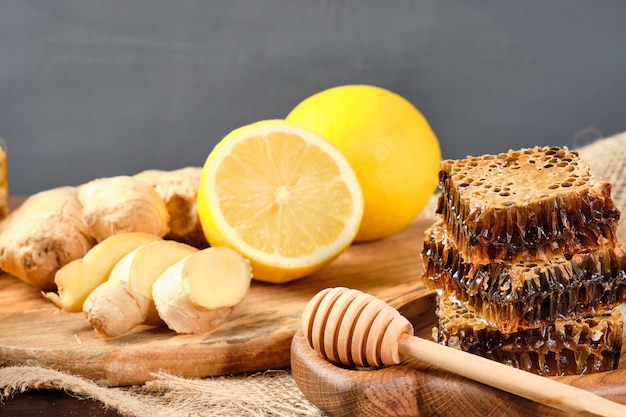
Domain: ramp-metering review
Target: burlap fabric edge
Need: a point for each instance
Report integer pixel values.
(270, 393)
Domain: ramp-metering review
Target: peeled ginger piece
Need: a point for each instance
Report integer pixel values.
(199, 292)
(77, 279)
(124, 301)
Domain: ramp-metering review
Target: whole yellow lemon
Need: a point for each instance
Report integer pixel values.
(389, 144)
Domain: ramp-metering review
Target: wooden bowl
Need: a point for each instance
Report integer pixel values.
(416, 389)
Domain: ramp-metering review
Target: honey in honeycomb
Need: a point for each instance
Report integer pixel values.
(525, 204)
(526, 294)
(565, 347)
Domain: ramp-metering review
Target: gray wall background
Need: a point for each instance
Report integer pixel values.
(92, 88)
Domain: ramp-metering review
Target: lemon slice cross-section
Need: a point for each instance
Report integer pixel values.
(281, 195)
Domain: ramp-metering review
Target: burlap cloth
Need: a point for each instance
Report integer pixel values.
(271, 393)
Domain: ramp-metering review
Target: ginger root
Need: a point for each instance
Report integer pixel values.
(179, 190)
(66, 241)
(77, 279)
(46, 232)
(122, 204)
(199, 292)
(125, 299)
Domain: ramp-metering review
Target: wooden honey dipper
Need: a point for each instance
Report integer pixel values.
(355, 329)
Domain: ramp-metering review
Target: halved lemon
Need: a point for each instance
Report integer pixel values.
(281, 195)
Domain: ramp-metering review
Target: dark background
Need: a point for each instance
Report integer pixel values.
(92, 88)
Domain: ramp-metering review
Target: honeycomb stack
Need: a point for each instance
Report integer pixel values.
(526, 263)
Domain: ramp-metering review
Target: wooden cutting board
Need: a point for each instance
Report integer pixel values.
(257, 337)
(418, 389)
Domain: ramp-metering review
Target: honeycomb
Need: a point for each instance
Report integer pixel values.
(525, 294)
(565, 347)
(525, 204)
(526, 262)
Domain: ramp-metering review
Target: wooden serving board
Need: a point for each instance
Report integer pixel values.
(257, 337)
(418, 389)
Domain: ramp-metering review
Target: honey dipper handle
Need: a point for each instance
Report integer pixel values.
(522, 383)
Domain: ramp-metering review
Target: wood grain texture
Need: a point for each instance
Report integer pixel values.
(257, 337)
(417, 389)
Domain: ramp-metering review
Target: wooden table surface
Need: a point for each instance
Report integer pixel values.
(52, 403)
